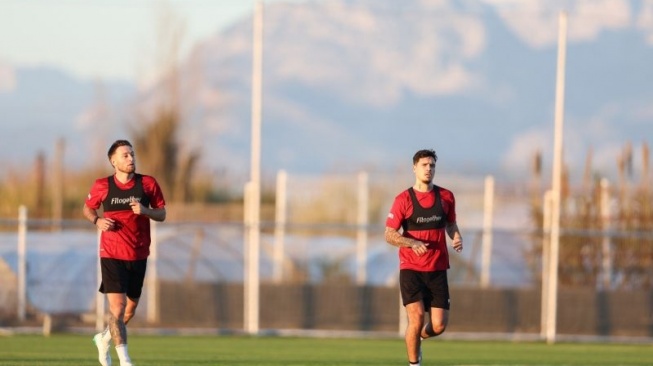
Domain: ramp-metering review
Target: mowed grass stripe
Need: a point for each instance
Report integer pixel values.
(69, 350)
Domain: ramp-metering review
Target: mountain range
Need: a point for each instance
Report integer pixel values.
(363, 84)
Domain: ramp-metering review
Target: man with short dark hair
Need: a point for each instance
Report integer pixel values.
(129, 200)
(426, 214)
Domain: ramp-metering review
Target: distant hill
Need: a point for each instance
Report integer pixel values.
(46, 104)
(352, 84)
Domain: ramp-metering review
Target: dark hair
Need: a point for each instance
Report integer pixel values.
(116, 145)
(426, 153)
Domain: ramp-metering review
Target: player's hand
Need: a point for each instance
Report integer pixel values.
(136, 206)
(420, 248)
(457, 244)
(105, 224)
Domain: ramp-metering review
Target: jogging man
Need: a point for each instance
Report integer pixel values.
(129, 200)
(426, 214)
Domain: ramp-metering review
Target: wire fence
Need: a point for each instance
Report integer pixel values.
(310, 268)
(200, 274)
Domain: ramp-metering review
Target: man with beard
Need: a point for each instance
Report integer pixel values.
(426, 214)
(129, 200)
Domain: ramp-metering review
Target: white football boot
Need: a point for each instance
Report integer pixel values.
(103, 349)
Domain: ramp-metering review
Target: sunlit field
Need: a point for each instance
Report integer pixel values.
(69, 350)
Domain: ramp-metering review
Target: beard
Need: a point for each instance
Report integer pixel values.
(127, 169)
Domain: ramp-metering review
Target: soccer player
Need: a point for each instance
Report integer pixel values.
(129, 200)
(426, 214)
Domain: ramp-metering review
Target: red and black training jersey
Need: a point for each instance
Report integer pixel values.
(130, 239)
(423, 217)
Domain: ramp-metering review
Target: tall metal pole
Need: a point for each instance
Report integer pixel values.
(280, 225)
(58, 184)
(361, 234)
(605, 242)
(488, 209)
(153, 277)
(253, 189)
(22, 262)
(557, 181)
(257, 86)
(100, 301)
(546, 257)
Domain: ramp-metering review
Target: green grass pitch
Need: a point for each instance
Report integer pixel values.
(146, 350)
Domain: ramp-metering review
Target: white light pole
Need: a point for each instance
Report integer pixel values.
(605, 242)
(22, 262)
(546, 256)
(253, 187)
(552, 291)
(361, 233)
(280, 217)
(153, 277)
(100, 305)
(488, 209)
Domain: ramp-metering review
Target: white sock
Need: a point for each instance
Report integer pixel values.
(121, 350)
(414, 364)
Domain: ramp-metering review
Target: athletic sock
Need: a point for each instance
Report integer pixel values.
(121, 350)
(414, 363)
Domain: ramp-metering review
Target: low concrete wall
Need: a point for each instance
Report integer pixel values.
(349, 307)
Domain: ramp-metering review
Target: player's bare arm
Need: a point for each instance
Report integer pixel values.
(90, 213)
(92, 216)
(454, 234)
(393, 237)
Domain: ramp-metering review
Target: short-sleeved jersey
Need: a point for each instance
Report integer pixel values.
(437, 256)
(130, 240)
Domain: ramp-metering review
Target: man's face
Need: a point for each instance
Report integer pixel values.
(123, 160)
(424, 169)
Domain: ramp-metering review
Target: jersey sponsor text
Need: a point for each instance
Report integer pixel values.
(422, 220)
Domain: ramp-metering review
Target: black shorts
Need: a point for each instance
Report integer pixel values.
(432, 288)
(123, 277)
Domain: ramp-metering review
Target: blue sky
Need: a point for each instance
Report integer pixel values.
(103, 39)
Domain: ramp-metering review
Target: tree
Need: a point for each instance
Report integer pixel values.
(161, 116)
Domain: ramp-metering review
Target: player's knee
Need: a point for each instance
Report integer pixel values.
(438, 329)
(128, 316)
(431, 330)
(117, 311)
(130, 309)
